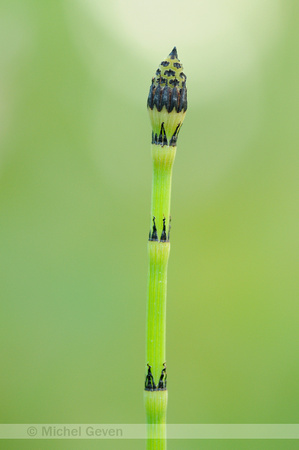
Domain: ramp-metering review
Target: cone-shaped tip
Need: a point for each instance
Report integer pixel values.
(173, 54)
(167, 100)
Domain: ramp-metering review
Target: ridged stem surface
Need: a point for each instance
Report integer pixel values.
(156, 405)
(158, 252)
(163, 158)
(156, 310)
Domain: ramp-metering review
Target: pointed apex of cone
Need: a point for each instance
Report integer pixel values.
(173, 54)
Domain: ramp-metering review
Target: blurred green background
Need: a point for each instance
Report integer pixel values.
(75, 184)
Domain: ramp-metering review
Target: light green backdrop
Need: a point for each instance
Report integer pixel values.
(75, 181)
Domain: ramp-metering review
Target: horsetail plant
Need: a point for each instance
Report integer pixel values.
(167, 105)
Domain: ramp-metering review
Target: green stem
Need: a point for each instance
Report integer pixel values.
(167, 105)
(158, 251)
(163, 158)
(156, 306)
(155, 405)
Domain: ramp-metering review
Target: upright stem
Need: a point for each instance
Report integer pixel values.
(167, 105)
(156, 405)
(163, 158)
(158, 251)
(156, 306)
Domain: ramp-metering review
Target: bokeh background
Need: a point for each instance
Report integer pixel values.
(75, 184)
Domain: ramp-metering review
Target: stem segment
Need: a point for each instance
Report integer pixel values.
(158, 252)
(156, 405)
(156, 310)
(163, 158)
(167, 105)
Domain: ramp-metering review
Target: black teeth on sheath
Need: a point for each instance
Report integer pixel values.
(154, 137)
(149, 380)
(169, 228)
(153, 235)
(163, 234)
(162, 136)
(150, 385)
(173, 141)
(163, 379)
(175, 135)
